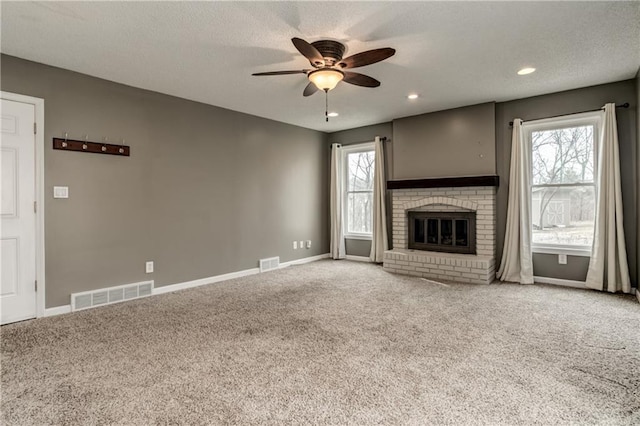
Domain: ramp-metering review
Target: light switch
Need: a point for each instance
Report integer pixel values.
(562, 259)
(60, 192)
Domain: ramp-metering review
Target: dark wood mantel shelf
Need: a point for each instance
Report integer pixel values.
(445, 182)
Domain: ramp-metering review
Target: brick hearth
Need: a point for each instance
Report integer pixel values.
(468, 268)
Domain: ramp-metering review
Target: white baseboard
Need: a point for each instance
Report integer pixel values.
(58, 310)
(204, 281)
(358, 258)
(574, 284)
(305, 260)
(224, 277)
(559, 281)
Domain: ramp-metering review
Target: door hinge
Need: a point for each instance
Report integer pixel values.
(35, 128)
(36, 285)
(35, 207)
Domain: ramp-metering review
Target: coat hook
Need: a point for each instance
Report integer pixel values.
(64, 144)
(121, 149)
(86, 139)
(105, 140)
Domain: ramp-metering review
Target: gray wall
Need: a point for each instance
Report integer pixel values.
(455, 142)
(546, 265)
(413, 154)
(360, 135)
(566, 103)
(358, 247)
(205, 192)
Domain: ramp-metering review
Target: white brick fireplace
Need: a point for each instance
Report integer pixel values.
(476, 268)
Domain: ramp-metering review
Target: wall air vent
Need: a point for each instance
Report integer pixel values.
(269, 264)
(108, 296)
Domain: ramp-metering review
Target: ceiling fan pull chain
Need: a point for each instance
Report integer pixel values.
(326, 105)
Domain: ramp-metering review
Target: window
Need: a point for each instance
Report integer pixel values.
(359, 161)
(563, 170)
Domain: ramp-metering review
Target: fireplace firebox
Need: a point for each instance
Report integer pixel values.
(450, 232)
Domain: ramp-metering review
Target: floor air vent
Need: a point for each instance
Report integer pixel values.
(107, 296)
(269, 264)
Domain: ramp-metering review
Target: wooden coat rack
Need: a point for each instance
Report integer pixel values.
(93, 147)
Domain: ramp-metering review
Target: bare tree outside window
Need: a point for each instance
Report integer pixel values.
(563, 187)
(360, 172)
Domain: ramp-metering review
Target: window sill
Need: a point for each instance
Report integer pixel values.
(357, 237)
(569, 251)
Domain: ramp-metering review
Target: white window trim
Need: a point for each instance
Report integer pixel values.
(357, 236)
(561, 249)
(346, 150)
(587, 118)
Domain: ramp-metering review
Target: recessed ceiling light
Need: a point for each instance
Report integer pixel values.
(525, 71)
(413, 96)
(333, 114)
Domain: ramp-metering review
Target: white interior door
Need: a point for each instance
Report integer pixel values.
(18, 219)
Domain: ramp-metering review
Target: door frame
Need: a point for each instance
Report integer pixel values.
(38, 103)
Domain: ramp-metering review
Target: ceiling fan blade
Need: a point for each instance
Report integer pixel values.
(310, 89)
(281, 72)
(367, 58)
(308, 51)
(360, 79)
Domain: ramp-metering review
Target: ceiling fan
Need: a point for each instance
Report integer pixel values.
(325, 56)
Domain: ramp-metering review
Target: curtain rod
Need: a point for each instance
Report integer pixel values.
(383, 139)
(624, 105)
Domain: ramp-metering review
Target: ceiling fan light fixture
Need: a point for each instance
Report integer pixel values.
(326, 79)
(412, 96)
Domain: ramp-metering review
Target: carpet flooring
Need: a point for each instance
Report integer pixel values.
(331, 342)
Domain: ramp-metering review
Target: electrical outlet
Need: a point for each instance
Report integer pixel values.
(562, 259)
(149, 267)
(295, 245)
(308, 244)
(301, 244)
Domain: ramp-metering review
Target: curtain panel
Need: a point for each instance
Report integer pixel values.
(379, 242)
(517, 258)
(608, 268)
(336, 243)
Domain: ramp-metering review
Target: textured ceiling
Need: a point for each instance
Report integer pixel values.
(451, 53)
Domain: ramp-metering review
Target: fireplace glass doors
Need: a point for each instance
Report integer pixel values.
(443, 231)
